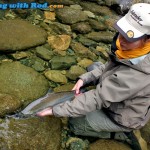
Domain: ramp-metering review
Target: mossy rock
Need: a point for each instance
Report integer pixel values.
(22, 82)
(30, 134)
(20, 34)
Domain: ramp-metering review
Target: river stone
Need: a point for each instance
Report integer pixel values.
(19, 55)
(97, 9)
(8, 104)
(84, 63)
(86, 42)
(44, 53)
(19, 34)
(82, 51)
(74, 72)
(2, 14)
(30, 134)
(60, 42)
(22, 82)
(60, 28)
(145, 132)
(109, 145)
(64, 88)
(70, 16)
(96, 25)
(56, 76)
(102, 36)
(59, 62)
(61, 2)
(82, 27)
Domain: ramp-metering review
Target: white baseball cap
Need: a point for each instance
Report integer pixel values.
(136, 23)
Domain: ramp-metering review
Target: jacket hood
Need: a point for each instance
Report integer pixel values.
(144, 65)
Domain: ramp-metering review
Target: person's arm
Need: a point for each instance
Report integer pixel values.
(93, 75)
(82, 104)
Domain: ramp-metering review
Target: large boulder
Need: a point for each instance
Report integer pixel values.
(31, 134)
(19, 34)
(22, 82)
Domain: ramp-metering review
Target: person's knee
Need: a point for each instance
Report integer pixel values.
(76, 125)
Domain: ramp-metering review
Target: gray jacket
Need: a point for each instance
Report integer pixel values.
(123, 91)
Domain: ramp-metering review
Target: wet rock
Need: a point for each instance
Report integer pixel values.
(84, 63)
(64, 2)
(38, 66)
(102, 51)
(18, 34)
(82, 51)
(90, 14)
(32, 133)
(8, 104)
(102, 36)
(60, 42)
(31, 60)
(19, 55)
(22, 82)
(78, 7)
(59, 28)
(64, 88)
(74, 72)
(70, 16)
(59, 62)
(145, 132)
(16, 1)
(86, 42)
(44, 53)
(56, 76)
(23, 13)
(109, 144)
(77, 144)
(96, 25)
(82, 27)
(2, 14)
(50, 15)
(96, 9)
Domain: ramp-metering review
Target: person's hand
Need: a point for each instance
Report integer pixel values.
(77, 86)
(45, 112)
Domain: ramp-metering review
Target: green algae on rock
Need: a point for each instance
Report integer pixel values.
(31, 134)
(109, 145)
(23, 82)
(19, 34)
(8, 104)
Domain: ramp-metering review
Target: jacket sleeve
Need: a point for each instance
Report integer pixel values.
(82, 104)
(93, 75)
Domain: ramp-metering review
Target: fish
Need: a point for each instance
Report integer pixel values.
(49, 100)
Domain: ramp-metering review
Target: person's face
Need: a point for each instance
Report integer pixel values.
(126, 45)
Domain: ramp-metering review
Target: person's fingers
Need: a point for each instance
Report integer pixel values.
(45, 112)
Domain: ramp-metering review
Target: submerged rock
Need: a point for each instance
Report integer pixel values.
(8, 104)
(60, 62)
(109, 145)
(102, 36)
(19, 34)
(56, 76)
(60, 42)
(74, 72)
(31, 134)
(70, 16)
(22, 82)
(82, 51)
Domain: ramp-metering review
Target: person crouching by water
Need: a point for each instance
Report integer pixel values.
(121, 101)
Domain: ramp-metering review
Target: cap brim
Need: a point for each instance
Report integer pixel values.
(124, 27)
